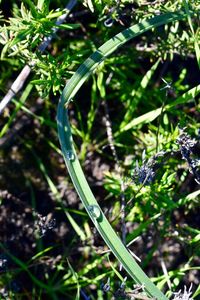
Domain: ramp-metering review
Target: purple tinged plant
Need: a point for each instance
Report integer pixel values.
(187, 145)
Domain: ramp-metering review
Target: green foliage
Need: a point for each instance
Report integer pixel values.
(28, 27)
(138, 100)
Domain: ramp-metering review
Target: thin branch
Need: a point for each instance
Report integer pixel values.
(23, 75)
(118, 166)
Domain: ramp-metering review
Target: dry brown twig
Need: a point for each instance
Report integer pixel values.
(117, 162)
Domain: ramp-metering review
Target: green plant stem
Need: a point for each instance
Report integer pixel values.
(71, 159)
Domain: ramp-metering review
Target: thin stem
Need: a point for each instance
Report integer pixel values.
(118, 169)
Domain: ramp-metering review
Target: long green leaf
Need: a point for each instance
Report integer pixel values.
(71, 159)
(153, 114)
(137, 94)
(195, 36)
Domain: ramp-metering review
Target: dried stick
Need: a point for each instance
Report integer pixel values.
(118, 166)
(23, 75)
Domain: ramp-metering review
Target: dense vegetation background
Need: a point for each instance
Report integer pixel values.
(136, 129)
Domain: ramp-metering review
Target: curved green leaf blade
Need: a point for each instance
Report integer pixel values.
(71, 159)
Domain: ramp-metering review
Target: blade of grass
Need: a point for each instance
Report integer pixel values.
(41, 253)
(137, 94)
(153, 114)
(24, 267)
(76, 227)
(196, 41)
(41, 119)
(70, 156)
(75, 275)
(189, 95)
(17, 108)
(197, 292)
(58, 197)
